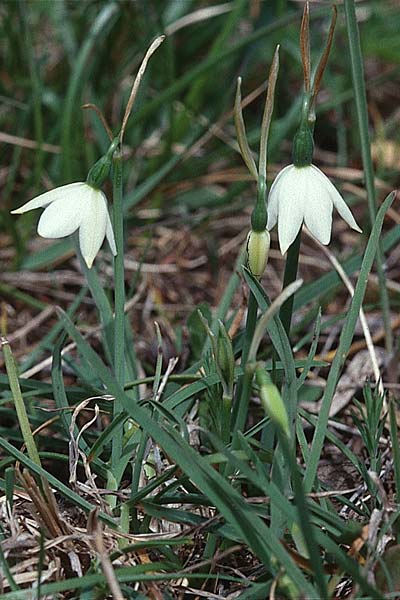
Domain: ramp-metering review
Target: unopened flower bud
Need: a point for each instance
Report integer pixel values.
(225, 358)
(271, 400)
(101, 169)
(257, 251)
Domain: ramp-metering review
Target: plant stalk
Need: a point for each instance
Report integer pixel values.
(119, 300)
(292, 262)
(244, 386)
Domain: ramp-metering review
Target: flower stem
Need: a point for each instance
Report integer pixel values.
(119, 299)
(244, 385)
(362, 116)
(292, 261)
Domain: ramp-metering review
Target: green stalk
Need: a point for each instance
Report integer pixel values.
(362, 116)
(292, 262)
(19, 402)
(119, 299)
(241, 404)
(226, 416)
(304, 521)
(137, 469)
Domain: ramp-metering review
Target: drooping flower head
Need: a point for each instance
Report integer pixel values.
(301, 193)
(305, 194)
(80, 206)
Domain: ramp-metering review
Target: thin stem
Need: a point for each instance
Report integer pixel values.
(266, 120)
(241, 132)
(119, 299)
(153, 47)
(362, 116)
(259, 332)
(324, 59)
(304, 521)
(292, 261)
(305, 46)
(137, 469)
(19, 402)
(226, 416)
(244, 386)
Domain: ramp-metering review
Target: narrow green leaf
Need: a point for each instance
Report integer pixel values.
(345, 343)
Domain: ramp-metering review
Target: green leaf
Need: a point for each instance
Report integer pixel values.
(345, 343)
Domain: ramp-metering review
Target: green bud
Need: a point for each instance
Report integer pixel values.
(303, 147)
(257, 251)
(285, 584)
(223, 354)
(101, 169)
(271, 400)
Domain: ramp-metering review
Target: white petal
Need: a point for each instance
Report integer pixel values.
(61, 217)
(93, 226)
(291, 208)
(318, 211)
(110, 235)
(274, 195)
(338, 201)
(65, 191)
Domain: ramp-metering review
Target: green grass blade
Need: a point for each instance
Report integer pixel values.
(19, 401)
(344, 343)
(360, 96)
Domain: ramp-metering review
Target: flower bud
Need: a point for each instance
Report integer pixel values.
(303, 147)
(225, 358)
(101, 169)
(257, 251)
(271, 400)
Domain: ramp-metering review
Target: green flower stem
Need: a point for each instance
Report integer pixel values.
(19, 402)
(137, 469)
(119, 300)
(226, 417)
(362, 116)
(292, 262)
(304, 522)
(244, 386)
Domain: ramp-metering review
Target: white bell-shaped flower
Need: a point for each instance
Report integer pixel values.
(305, 194)
(76, 206)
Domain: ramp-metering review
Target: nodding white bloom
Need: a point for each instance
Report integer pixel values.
(76, 206)
(300, 194)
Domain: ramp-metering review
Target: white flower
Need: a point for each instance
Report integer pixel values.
(71, 207)
(305, 194)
